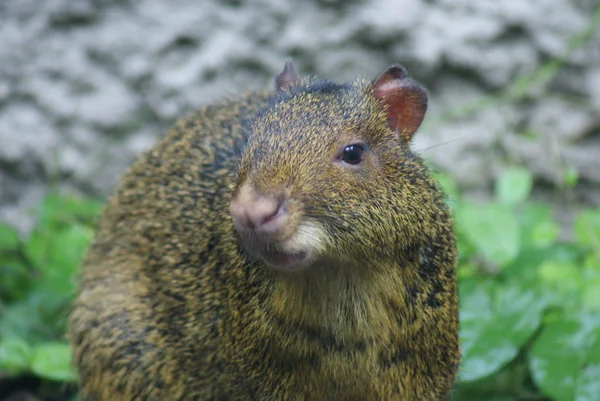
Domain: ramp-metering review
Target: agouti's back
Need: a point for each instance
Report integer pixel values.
(284, 246)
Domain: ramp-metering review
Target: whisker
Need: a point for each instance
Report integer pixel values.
(443, 143)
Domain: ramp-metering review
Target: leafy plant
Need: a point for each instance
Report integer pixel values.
(36, 286)
(529, 303)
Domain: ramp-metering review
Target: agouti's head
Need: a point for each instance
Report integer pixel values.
(327, 176)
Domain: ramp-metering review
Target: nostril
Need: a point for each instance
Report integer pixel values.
(277, 211)
(253, 212)
(265, 212)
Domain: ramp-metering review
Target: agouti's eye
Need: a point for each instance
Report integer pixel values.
(353, 154)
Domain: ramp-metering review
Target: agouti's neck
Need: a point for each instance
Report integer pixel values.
(351, 303)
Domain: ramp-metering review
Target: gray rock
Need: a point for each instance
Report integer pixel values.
(593, 83)
(86, 85)
(27, 137)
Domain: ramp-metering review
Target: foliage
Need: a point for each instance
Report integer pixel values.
(529, 302)
(36, 285)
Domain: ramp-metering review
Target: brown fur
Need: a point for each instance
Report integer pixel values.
(172, 307)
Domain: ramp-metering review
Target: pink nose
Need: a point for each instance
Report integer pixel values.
(253, 212)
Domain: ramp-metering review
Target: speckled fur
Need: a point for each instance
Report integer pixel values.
(171, 307)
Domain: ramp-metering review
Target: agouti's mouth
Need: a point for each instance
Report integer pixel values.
(285, 261)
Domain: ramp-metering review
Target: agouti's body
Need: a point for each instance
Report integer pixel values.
(283, 246)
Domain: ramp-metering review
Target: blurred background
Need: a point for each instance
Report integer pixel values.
(512, 132)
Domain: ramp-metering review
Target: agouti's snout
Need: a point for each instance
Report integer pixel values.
(256, 214)
(264, 225)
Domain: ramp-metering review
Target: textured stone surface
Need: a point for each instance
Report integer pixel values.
(87, 84)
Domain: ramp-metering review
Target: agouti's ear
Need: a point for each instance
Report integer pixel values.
(404, 99)
(288, 78)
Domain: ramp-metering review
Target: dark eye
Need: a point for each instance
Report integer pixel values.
(353, 154)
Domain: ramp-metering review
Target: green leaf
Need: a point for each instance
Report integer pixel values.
(587, 229)
(36, 247)
(538, 228)
(514, 185)
(57, 255)
(544, 233)
(9, 239)
(52, 361)
(591, 283)
(563, 279)
(496, 321)
(553, 363)
(465, 248)
(448, 186)
(588, 383)
(16, 279)
(26, 321)
(492, 228)
(52, 309)
(565, 358)
(65, 251)
(19, 320)
(15, 355)
(58, 210)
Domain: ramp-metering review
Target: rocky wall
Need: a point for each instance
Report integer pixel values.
(85, 85)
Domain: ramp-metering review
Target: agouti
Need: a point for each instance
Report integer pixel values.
(285, 245)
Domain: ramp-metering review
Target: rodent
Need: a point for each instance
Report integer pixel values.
(285, 245)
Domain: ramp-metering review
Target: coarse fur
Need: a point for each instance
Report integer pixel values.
(171, 306)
